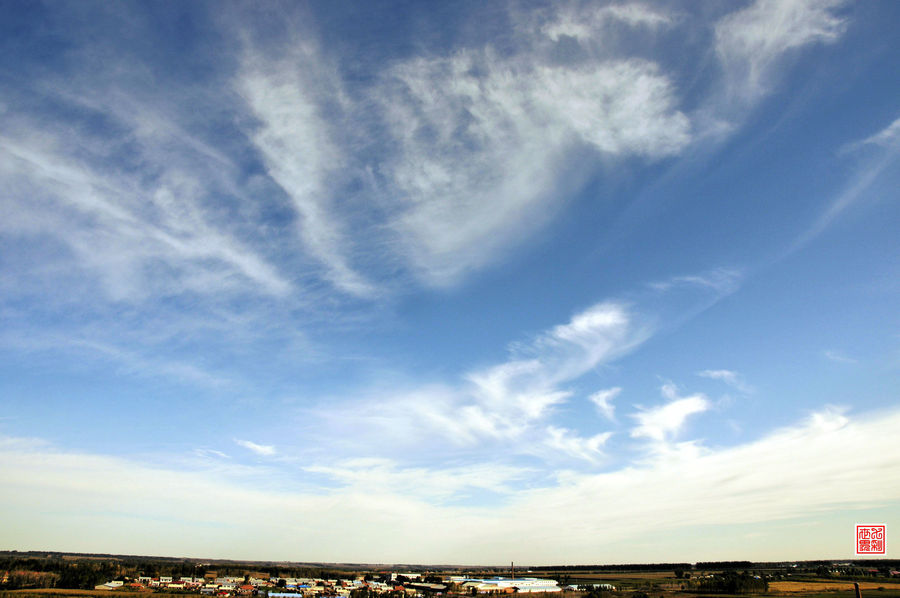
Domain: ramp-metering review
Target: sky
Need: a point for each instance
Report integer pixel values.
(462, 283)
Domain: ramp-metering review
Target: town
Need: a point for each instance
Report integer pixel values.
(406, 583)
(57, 575)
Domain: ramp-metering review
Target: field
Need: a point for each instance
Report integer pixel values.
(664, 584)
(795, 587)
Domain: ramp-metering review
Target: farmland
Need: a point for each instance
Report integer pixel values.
(60, 575)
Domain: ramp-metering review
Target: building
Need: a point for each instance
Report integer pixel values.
(509, 585)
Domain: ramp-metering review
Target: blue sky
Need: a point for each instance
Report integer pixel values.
(399, 282)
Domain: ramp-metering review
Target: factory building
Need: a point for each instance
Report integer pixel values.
(502, 585)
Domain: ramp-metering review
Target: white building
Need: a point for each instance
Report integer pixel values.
(509, 584)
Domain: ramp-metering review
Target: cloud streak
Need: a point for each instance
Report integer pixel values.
(478, 164)
(729, 377)
(860, 185)
(505, 402)
(300, 150)
(664, 422)
(263, 450)
(460, 176)
(602, 399)
(834, 457)
(139, 238)
(753, 43)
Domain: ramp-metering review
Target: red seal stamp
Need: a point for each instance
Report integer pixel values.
(870, 539)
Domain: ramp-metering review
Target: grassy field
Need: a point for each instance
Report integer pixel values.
(876, 593)
(664, 584)
(794, 587)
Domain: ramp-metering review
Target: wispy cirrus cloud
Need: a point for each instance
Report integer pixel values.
(478, 164)
(572, 444)
(603, 399)
(723, 281)
(590, 21)
(263, 450)
(94, 346)
(521, 391)
(753, 43)
(664, 422)
(301, 149)
(184, 222)
(436, 484)
(886, 151)
(205, 453)
(751, 483)
(506, 402)
(461, 176)
(838, 357)
(530, 384)
(889, 137)
(123, 230)
(513, 402)
(729, 377)
(469, 173)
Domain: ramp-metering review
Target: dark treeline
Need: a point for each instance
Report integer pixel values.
(892, 563)
(633, 567)
(731, 582)
(703, 566)
(59, 571)
(722, 565)
(56, 573)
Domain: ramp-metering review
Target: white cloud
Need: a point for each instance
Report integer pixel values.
(570, 443)
(480, 163)
(602, 399)
(856, 190)
(588, 23)
(140, 239)
(729, 377)
(839, 357)
(889, 137)
(752, 43)
(723, 281)
(366, 474)
(829, 419)
(264, 450)
(503, 405)
(516, 393)
(462, 174)
(506, 402)
(664, 422)
(836, 462)
(87, 345)
(296, 144)
(208, 453)
(749, 483)
(726, 376)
